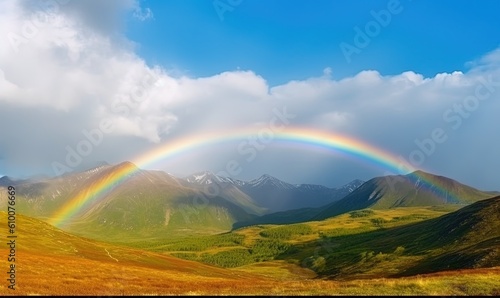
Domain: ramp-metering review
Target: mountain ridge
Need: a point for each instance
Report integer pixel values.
(155, 202)
(272, 193)
(414, 189)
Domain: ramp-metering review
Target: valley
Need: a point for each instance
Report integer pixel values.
(147, 234)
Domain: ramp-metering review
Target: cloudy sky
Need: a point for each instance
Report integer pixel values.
(127, 76)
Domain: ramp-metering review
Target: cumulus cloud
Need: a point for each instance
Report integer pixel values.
(66, 70)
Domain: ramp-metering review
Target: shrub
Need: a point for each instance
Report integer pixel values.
(228, 259)
(361, 213)
(205, 242)
(287, 232)
(399, 250)
(378, 222)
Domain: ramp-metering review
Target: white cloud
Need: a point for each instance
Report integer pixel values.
(78, 68)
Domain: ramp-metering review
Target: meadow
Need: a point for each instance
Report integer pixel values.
(342, 255)
(306, 244)
(50, 275)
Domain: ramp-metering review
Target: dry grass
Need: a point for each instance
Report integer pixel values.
(52, 262)
(69, 275)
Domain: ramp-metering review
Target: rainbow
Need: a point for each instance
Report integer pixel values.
(172, 148)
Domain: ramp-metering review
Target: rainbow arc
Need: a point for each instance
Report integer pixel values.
(307, 137)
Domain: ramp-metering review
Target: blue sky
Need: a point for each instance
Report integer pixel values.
(67, 68)
(289, 40)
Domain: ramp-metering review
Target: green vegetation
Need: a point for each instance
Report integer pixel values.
(410, 217)
(351, 255)
(374, 243)
(199, 243)
(346, 231)
(361, 243)
(232, 255)
(361, 213)
(287, 232)
(467, 238)
(150, 205)
(265, 250)
(229, 258)
(411, 250)
(378, 222)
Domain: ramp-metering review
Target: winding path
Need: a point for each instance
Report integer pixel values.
(111, 255)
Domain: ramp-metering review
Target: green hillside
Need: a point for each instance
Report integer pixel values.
(36, 237)
(466, 238)
(147, 207)
(415, 189)
(150, 204)
(361, 244)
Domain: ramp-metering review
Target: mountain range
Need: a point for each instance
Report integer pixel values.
(270, 193)
(154, 203)
(157, 204)
(388, 227)
(415, 189)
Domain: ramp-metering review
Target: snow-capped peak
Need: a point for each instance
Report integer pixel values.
(202, 178)
(352, 186)
(270, 180)
(207, 177)
(311, 187)
(95, 170)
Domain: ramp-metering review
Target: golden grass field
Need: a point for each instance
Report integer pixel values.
(51, 275)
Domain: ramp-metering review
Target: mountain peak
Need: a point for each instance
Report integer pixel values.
(124, 164)
(205, 177)
(420, 173)
(98, 168)
(268, 180)
(266, 177)
(5, 181)
(419, 177)
(352, 186)
(356, 181)
(411, 190)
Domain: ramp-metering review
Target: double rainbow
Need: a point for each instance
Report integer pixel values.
(170, 149)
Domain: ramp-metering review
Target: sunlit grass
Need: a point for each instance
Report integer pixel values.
(52, 262)
(39, 274)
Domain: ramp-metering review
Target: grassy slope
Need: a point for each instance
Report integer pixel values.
(466, 238)
(48, 275)
(362, 244)
(151, 204)
(51, 261)
(261, 241)
(416, 189)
